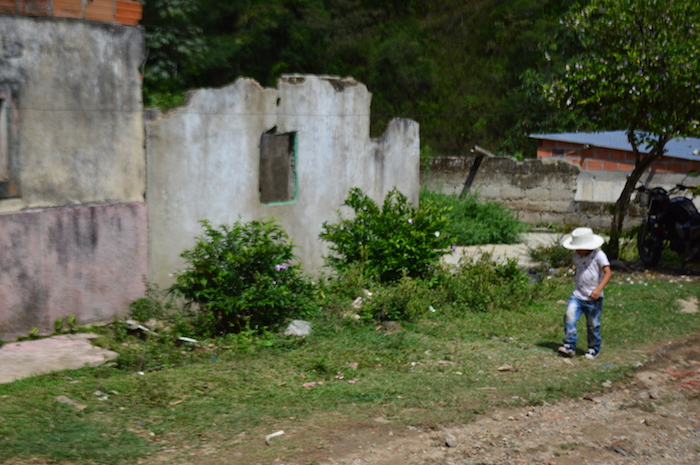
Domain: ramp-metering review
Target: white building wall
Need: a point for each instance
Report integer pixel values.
(203, 162)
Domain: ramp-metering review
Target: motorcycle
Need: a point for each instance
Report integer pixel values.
(672, 222)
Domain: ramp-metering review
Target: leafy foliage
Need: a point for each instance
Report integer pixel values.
(636, 69)
(482, 285)
(155, 304)
(461, 69)
(388, 242)
(243, 276)
(408, 299)
(472, 222)
(174, 42)
(475, 285)
(552, 255)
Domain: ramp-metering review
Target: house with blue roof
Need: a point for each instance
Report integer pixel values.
(611, 151)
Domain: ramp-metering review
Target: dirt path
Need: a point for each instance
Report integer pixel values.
(651, 419)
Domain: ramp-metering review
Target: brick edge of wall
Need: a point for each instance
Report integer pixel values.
(126, 12)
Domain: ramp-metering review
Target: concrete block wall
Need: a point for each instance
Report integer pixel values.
(542, 191)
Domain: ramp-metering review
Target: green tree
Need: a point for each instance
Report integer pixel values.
(173, 43)
(456, 67)
(637, 69)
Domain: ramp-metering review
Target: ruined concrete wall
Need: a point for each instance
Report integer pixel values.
(80, 110)
(82, 261)
(204, 161)
(76, 147)
(541, 192)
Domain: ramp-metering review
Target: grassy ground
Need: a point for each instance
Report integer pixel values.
(437, 371)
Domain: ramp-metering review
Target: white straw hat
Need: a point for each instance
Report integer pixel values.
(582, 239)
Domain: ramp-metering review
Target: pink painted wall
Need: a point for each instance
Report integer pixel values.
(88, 261)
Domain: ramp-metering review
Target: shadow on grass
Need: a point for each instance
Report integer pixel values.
(553, 346)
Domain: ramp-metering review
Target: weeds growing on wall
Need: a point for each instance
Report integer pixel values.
(473, 221)
(390, 241)
(243, 276)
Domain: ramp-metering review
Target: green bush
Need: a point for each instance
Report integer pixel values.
(484, 285)
(407, 300)
(243, 276)
(155, 304)
(387, 242)
(473, 222)
(553, 255)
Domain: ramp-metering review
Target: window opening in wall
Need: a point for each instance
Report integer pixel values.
(9, 158)
(278, 180)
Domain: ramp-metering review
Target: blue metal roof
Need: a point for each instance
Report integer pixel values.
(681, 148)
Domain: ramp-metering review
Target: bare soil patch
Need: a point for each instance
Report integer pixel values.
(650, 418)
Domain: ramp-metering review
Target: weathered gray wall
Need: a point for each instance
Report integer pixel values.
(74, 241)
(81, 128)
(203, 162)
(86, 261)
(542, 191)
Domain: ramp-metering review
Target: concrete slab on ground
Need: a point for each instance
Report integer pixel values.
(503, 252)
(63, 352)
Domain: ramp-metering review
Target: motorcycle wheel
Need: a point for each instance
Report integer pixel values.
(649, 245)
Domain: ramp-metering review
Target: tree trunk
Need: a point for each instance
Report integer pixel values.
(623, 202)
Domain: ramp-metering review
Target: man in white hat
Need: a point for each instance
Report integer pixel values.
(592, 275)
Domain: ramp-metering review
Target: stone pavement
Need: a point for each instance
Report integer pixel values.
(63, 352)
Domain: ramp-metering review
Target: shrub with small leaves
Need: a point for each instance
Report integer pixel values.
(551, 255)
(406, 300)
(244, 276)
(482, 285)
(155, 304)
(474, 222)
(388, 242)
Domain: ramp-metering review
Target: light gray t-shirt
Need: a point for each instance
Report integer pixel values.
(589, 273)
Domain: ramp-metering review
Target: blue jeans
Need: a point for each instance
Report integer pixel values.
(574, 309)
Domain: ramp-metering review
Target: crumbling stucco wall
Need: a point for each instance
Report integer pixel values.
(72, 231)
(204, 161)
(80, 110)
